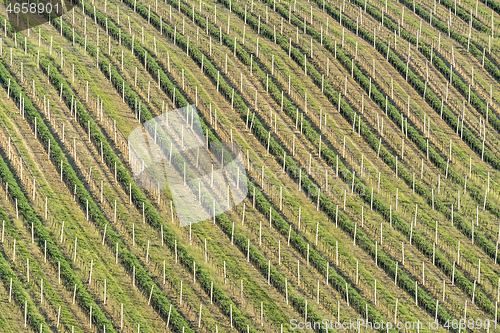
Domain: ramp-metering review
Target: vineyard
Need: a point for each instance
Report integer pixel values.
(369, 133)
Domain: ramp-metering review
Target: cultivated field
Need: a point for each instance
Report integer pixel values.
(370, 134)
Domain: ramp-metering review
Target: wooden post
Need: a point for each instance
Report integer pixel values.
(347, 294)
(286, 290)
(453, 274)
(232, 234)
(74, 252)
(231, 314)
(327, 272)
(390, 216)
(381, 234)
(479, 272)
(211, 292)
(300, 209)
(496, 252)
(150, 294)
(362, 214)
(281, 198)
(104, 298)
(416, 288)
(180, 295)
(397, 190)
(269, 272)
(175, 250)
(498, 291)
(451, 214)
(336, 253)
(355, 227)
(357, 275)
(289, 233)
(298, 272)
(62, 233)
(260, 233)
(279, 252)
(90, 274)
(10, 290)
(270, 217)
(403, 253)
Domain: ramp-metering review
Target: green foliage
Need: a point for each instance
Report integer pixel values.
(420, 241)
(25, 209)
(22, 253)
(112, 238)
(443, 66)
(487, 245)
(262, 135)
(18, 293)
